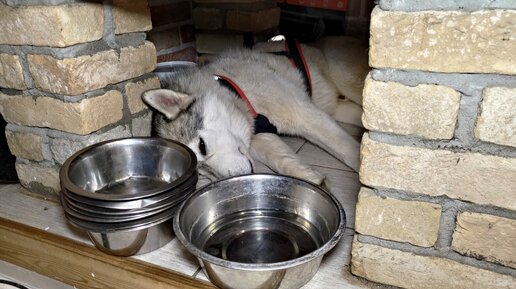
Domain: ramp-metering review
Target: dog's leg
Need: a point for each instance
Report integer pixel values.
(321, 129)
(269, 149)
(347, 111)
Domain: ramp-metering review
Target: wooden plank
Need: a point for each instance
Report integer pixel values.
(82, 266)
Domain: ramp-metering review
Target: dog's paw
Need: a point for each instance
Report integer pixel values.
(311, 175)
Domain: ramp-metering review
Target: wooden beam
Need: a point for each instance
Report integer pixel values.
(83, 266)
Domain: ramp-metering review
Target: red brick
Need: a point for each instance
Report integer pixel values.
(187, 33)
(170, 13)
(187, 54)
(165, 38)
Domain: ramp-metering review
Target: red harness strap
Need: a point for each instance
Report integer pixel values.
(240, 93)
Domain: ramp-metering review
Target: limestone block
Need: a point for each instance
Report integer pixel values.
(134, 91)
(473, 177)
(11, 72)
(58, 26)
(25, 145)
(411, 5)
(81, 118)
(403, 221)
(426, 110)
(485, 236)
(247, 21)
(77, 75)
(131, 16)
(65, 146)
(209, 19)
(39, 179)
(408, 270)
(497, 120)
(444, 41)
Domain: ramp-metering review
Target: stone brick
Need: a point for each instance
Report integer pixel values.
(164, 39)
(411, 5)
(39, 179)
(473, 177)
(252, 21)
(77, 75)
(65, 146)
(444, 41)
(385, 265)
(403, 221)
(134, 90)
(497, 120)
(209, 19)
(25, 145)
(131, 16)
(426, 110)
(81, 118)
(11, 72)
(485, 236)
(58, 26)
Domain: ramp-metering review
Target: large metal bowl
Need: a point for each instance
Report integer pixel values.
(127, 169)
(260, 231)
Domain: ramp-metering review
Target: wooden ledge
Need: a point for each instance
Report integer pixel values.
(80, 265)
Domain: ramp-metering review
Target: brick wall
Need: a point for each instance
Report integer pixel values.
(438, 205)
(71, 75)
(221, 24)
(173, 31)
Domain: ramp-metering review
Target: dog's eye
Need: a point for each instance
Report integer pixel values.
(202, 146)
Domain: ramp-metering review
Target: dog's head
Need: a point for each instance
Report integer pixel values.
(208, 120)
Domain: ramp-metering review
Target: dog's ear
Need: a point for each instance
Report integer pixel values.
(168, 102)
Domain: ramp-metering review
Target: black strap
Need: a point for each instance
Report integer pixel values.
(248, 40)
(297, 57)
(261, 122)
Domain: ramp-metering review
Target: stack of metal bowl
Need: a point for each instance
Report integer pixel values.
(124, 192)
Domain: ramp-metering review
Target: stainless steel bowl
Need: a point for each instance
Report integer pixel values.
(127, 169)
(129, 238)
(171, 194)
(260, 231)
(124, 192)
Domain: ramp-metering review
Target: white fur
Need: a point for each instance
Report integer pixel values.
(276, 90)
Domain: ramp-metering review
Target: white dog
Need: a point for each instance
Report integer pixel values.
(197, 108)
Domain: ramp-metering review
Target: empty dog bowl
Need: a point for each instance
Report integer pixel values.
(124, 192)
(260, 231)
(128, 169)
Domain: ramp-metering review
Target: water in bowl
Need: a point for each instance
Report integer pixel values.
(261, 236)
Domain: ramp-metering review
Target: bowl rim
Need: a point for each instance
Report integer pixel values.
(69, 185)
(319, 252)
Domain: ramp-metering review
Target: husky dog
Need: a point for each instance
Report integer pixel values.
(217, 124)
